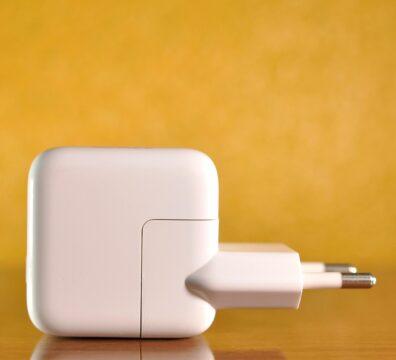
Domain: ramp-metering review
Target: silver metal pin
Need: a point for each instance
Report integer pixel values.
(343, 268)
(358, 280)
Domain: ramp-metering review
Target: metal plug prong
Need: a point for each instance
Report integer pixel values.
(358, 280)
(340, 267)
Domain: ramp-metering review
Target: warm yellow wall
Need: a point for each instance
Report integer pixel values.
(294, 101)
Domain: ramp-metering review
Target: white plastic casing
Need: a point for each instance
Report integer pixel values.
(106, 227)
(250, 275)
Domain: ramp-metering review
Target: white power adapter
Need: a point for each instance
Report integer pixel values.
(123, 242)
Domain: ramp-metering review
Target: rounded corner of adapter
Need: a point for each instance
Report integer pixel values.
(43, 160)
(202, 163)
(37, 163)
(200, 327)
(43, 320)
(205, 158)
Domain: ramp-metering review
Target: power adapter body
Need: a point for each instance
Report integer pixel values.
(123, 242)
(112, 235)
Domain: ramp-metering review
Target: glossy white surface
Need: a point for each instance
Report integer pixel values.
(173, 250)
(250, 275)
(86, 210)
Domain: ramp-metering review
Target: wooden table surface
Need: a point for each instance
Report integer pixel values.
(338, 324)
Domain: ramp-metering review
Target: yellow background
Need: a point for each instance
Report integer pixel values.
(293, 100)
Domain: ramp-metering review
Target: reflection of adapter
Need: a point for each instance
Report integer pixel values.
(194, 348)
(123, 242)
(50, 347)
